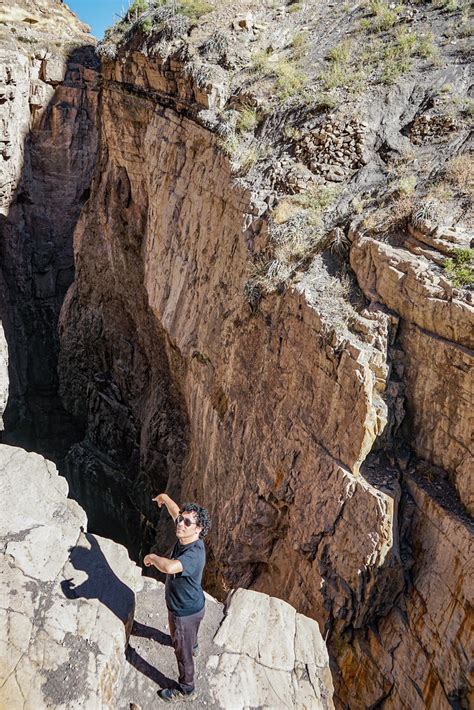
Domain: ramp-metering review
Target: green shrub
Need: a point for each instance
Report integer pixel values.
(342, 71)
(290, 79)
(460, 267)
(300, 41)
(146, 25)
(327, 101)
(261, 62)
(248, 158)
(405, 43)
(194, 9)
(137, 7)
(448, 5)
(426, 46)
(341, 53)
(248, 119)
(406, 185)
(230, 145)
(383, 16)
(335, 76)
(316, 201)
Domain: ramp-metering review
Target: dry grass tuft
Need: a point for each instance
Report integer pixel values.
(459, 172)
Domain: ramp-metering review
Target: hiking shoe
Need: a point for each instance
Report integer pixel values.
(196, 650)
(173, 695)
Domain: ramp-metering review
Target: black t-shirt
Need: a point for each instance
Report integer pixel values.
(183, 591)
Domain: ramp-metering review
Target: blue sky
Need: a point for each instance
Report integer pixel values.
(99, 14)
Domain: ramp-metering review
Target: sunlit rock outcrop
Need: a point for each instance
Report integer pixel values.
(68, 597)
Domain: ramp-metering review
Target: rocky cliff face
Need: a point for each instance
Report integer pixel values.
(260, 320)
(48, 97)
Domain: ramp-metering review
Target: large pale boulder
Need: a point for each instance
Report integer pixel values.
(66, 596)
(272, 657)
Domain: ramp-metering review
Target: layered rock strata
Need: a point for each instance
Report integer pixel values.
(267, 416)
(145, 241)
(421, 647)
(417, 656)
(436, 335)
(48, 92)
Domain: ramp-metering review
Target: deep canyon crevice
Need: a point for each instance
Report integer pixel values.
(336, 469)
(50, 150)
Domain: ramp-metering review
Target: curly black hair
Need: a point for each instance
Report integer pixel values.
(203, 518)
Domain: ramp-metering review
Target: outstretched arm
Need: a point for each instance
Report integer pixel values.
(163, 564)
(171, 506)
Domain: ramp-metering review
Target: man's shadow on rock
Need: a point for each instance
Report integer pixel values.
(149, 632)
(147, 669)
(103, 584)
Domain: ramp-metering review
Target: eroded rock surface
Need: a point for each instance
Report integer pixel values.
(67, 597)
(436, 336)
(287, 668)
(293, 431)
(240, 664)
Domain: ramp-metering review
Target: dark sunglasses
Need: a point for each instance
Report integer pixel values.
(186, 521)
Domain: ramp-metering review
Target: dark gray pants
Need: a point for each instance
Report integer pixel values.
(183, 632)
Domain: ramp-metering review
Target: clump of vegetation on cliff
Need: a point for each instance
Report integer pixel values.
(347, 115)
(460, 268)
(167, 19)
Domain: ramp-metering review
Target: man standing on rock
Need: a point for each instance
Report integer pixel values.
(183, 591)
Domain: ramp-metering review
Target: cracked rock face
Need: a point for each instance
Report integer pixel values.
(67, 597)
(436, 336)
(288, 668)
(267, 417)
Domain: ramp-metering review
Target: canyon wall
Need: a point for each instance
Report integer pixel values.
(267, 416)
(48, 87)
